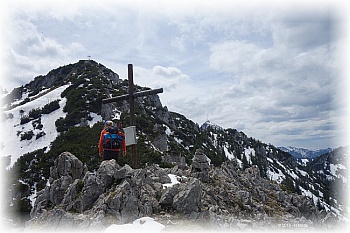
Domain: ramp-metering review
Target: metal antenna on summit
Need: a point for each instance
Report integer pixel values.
(131, 97)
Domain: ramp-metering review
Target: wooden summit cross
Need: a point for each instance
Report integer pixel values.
(131, 97)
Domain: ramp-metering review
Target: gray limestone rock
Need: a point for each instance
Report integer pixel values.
(200, 161)
(161, 142)
(200, 166)
(124, 172)
(166, 200)
(92, 189)
(159, 175)
(67, 165)
(221, 196)
(105, 174)
(41, 201)
(188, 199)
(58, 189)
(71, 194)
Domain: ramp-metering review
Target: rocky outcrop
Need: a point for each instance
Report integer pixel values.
(208, 196)
(200, 166)
(67, 169)
(122, 193)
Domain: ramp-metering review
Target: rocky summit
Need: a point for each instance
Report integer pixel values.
(202, 176)
(201, 197)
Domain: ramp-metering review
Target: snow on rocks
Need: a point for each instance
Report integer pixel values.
(144, 224)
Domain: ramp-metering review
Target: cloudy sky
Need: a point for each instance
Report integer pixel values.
(274, 71)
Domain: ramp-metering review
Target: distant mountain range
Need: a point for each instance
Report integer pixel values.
(302, 153)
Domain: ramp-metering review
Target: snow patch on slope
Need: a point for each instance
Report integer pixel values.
(10, 140)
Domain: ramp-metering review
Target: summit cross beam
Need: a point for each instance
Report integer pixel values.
(131, 97)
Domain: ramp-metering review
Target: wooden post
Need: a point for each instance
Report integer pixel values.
(132, 111)
(131, 97)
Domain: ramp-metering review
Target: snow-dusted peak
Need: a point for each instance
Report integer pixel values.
(305, 153)
(210, 124)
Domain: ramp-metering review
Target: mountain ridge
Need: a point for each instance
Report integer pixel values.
(299, 152)
(305, 156)
(164, 137)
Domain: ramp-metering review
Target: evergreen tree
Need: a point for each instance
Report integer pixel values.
(245, 162)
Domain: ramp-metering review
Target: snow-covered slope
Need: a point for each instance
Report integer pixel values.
(34, 114)
(12, 142)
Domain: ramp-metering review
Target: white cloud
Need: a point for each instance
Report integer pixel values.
(159, 76)
(235, 56)
(265, 69)
(179, 43)
(286, 85)
(29, 52)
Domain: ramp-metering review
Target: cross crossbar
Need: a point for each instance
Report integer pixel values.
(134, 95)
(131, 97)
